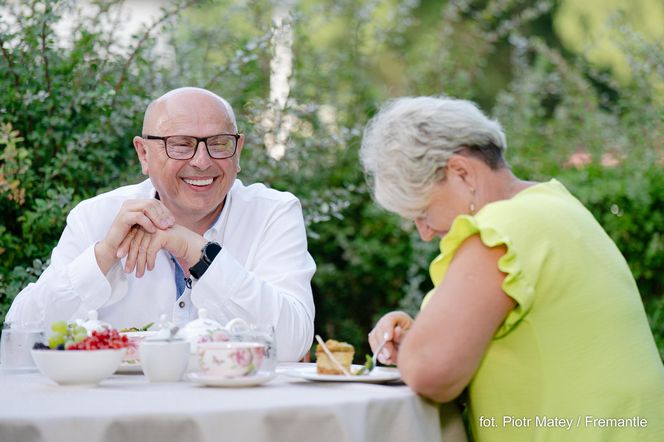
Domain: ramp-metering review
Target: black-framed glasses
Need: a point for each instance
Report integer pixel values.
(183, 147)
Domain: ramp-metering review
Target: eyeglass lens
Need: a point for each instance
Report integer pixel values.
(182, 147)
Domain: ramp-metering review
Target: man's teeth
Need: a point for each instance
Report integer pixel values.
(198, 182)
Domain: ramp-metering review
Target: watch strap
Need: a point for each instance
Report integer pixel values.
(208, 253)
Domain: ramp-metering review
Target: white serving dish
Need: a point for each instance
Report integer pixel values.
(78, 367)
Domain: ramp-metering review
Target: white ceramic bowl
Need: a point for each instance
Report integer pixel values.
(164, 361)
(78, 367)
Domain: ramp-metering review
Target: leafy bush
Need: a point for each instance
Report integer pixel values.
(69, 110)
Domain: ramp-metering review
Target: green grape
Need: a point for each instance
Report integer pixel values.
(56, 339)
(59, 327)
(66, 334)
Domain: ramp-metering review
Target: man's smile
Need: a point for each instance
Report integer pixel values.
(198, 182)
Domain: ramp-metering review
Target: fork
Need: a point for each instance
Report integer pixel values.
(374, 358)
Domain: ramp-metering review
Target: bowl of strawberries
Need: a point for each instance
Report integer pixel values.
(74, 357)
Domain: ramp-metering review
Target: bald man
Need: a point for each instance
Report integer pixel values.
(191, 236)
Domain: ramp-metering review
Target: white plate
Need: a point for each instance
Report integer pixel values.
(245, 381)
(127, 368)
(378, 375)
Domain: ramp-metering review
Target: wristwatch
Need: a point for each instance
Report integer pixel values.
(210, 251)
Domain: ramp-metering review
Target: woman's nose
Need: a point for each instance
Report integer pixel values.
(426, 232)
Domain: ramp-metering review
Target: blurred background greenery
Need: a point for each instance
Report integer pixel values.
(578, 87)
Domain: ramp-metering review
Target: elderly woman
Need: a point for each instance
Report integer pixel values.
(534, 308)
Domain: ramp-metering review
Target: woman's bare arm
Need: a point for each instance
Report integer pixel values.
(446, 343)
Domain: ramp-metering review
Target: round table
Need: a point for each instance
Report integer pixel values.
(128, 408)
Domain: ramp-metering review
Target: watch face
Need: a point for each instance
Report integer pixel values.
(211, 251)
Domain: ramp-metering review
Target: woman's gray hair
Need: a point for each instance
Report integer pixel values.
(407, 145)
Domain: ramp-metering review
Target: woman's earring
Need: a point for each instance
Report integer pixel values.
(238, 168)
(472, 202)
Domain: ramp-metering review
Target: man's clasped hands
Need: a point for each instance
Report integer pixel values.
(139, 231)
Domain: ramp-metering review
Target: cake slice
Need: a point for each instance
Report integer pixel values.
(341, 351)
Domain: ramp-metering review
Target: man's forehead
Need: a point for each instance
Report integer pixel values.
(183, 108)
(178, 120)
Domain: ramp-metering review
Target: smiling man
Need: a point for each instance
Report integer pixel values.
(191, 236)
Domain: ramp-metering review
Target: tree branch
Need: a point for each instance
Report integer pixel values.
(7, 56)
(142, 40)
(116, 20)
(47, 76)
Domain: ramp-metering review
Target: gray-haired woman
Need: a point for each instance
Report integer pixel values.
(534, 308)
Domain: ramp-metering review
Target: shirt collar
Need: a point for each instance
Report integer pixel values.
(222, 219)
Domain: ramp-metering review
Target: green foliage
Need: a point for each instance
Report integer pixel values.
(585, 27)
(70, 107)
(70, 113)
(655, 310)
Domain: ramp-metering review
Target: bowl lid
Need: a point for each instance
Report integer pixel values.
(93, 323)
(200, 326)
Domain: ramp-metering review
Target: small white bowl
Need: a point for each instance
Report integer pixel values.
(78, 367)
(164, 361)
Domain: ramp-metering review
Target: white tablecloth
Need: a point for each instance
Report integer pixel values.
(128, 408)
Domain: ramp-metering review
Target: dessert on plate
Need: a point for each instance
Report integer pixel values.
(341, 351)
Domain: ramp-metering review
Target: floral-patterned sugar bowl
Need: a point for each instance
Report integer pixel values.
(202, 329)
(230, 359)
(205, 330)
(241, 331)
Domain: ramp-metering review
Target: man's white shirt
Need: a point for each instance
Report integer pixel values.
(262, 274)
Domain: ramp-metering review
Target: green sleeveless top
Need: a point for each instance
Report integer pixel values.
(575, 359)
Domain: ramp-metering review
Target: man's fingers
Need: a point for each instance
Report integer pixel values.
(139, 218)
(151, 215)
(132, 256)
(159, 214)
(123, 248)
(141, 260)
(151, 252)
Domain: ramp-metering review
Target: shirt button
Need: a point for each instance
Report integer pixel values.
(181, 304)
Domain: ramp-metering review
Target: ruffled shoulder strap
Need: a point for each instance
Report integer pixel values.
(515, 285)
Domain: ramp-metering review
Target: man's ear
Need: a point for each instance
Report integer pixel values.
(238, 152)
(142, 152)
(240, 145)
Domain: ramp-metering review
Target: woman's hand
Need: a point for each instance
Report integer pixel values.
(394, 325)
